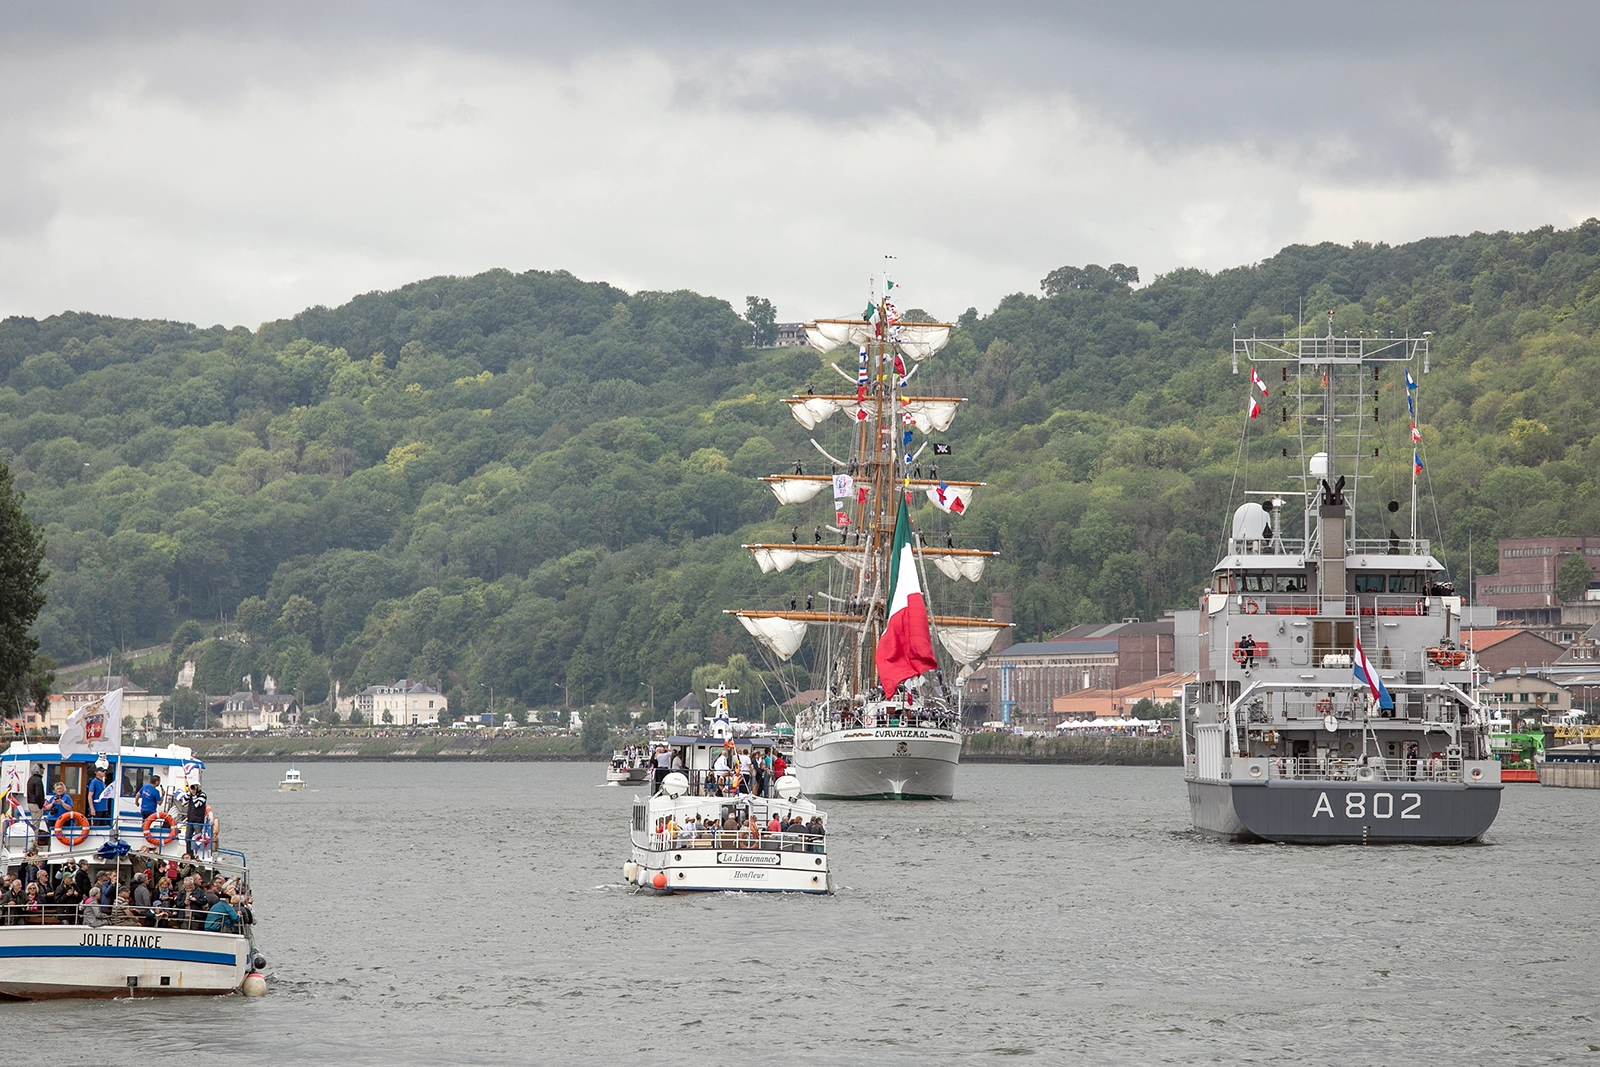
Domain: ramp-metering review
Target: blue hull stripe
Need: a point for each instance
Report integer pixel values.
(225, 959)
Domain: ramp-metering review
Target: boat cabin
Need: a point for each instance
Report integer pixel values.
(698, 756)
(129, 771)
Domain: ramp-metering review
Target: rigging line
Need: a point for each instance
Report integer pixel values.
(1222, 542)
(827, 454)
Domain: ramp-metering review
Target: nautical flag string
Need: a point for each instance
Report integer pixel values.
(1255, 408)
(1416, 462)
(1411, 383)
(1416, 434)
(1255, 379)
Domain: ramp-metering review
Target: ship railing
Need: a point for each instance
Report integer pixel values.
(733, 841)
(21, 832)
(1392, 604)
(1399, 546)
(1368, 769)
(1272, 604)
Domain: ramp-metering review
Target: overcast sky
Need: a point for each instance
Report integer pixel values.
(235, 164)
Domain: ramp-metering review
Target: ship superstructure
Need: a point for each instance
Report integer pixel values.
(858, 741)
(1335, 699)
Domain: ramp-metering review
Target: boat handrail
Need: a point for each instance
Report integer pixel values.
(1372, 768)
(129, 829)
(733, 841)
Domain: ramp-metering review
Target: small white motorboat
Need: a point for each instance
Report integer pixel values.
(292, 782)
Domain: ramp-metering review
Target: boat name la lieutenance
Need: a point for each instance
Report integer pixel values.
(1382, 806)
(122, 940)
(750, 859)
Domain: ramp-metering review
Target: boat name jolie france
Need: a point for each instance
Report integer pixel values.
(123, 940)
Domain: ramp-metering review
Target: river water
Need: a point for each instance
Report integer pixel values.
(474, 913)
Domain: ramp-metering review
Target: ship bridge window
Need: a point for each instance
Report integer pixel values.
(1371, 583)
(1291, 583)
(1402, 583)
(1258, 583)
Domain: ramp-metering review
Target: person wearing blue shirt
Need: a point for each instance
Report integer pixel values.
(150, 797)
(58, 804)
(100, 797)
(222, 918)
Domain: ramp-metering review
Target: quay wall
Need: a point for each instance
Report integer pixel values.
(1104, 751)
(1570, 775)
(434, 745)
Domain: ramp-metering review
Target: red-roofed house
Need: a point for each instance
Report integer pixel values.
(1505, 649)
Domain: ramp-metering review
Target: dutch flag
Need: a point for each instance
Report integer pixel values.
(1369, 678)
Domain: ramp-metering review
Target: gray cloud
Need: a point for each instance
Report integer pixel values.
(235, 163)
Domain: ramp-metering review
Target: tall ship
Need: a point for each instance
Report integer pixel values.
(1335, 700)
(887, 723)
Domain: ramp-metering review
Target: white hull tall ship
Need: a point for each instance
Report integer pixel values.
(875, 734)
(1335, 699)
(52, 949)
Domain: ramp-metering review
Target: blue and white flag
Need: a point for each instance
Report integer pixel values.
(1369, 678)
(1411, 383)
(1411, 405)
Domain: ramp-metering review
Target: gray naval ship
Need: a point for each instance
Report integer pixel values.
(1334, 701)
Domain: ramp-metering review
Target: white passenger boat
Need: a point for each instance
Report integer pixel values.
(686, 842)
(292, 781)
(56, 949)
(888, 725)
(628, 766)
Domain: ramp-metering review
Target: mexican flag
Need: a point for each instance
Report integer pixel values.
(905, 650)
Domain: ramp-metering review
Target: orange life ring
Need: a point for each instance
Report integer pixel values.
(1251, 607)
(164, 820)
(1324, 706)
(77, 818)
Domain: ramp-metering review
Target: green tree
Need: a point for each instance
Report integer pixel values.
(596, 734)
(184, 709)
(22, 578)
(763, 320)
(1572, 580)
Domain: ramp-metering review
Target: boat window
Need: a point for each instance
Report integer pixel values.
(1402, 583)
(134, 778)
(1370, 583)
(1291, 583)
(1253, 583)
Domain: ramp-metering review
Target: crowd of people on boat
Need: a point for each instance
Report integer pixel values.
(142, 889)
(740, 828)
(735, 772)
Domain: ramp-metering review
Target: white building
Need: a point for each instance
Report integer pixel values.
(259, 711)
(401, 703)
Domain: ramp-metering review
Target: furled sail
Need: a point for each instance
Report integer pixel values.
(782, 636)
(810, 410)
(955, 499)
(958, 563)
(827, 334)
(796, 488)
(967, 639)
(781, 557)
(932, 414)
(919, 340)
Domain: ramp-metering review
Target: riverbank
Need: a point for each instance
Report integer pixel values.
(1101, 751)
(517, 746)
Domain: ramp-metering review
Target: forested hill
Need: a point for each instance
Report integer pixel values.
(528, 481)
